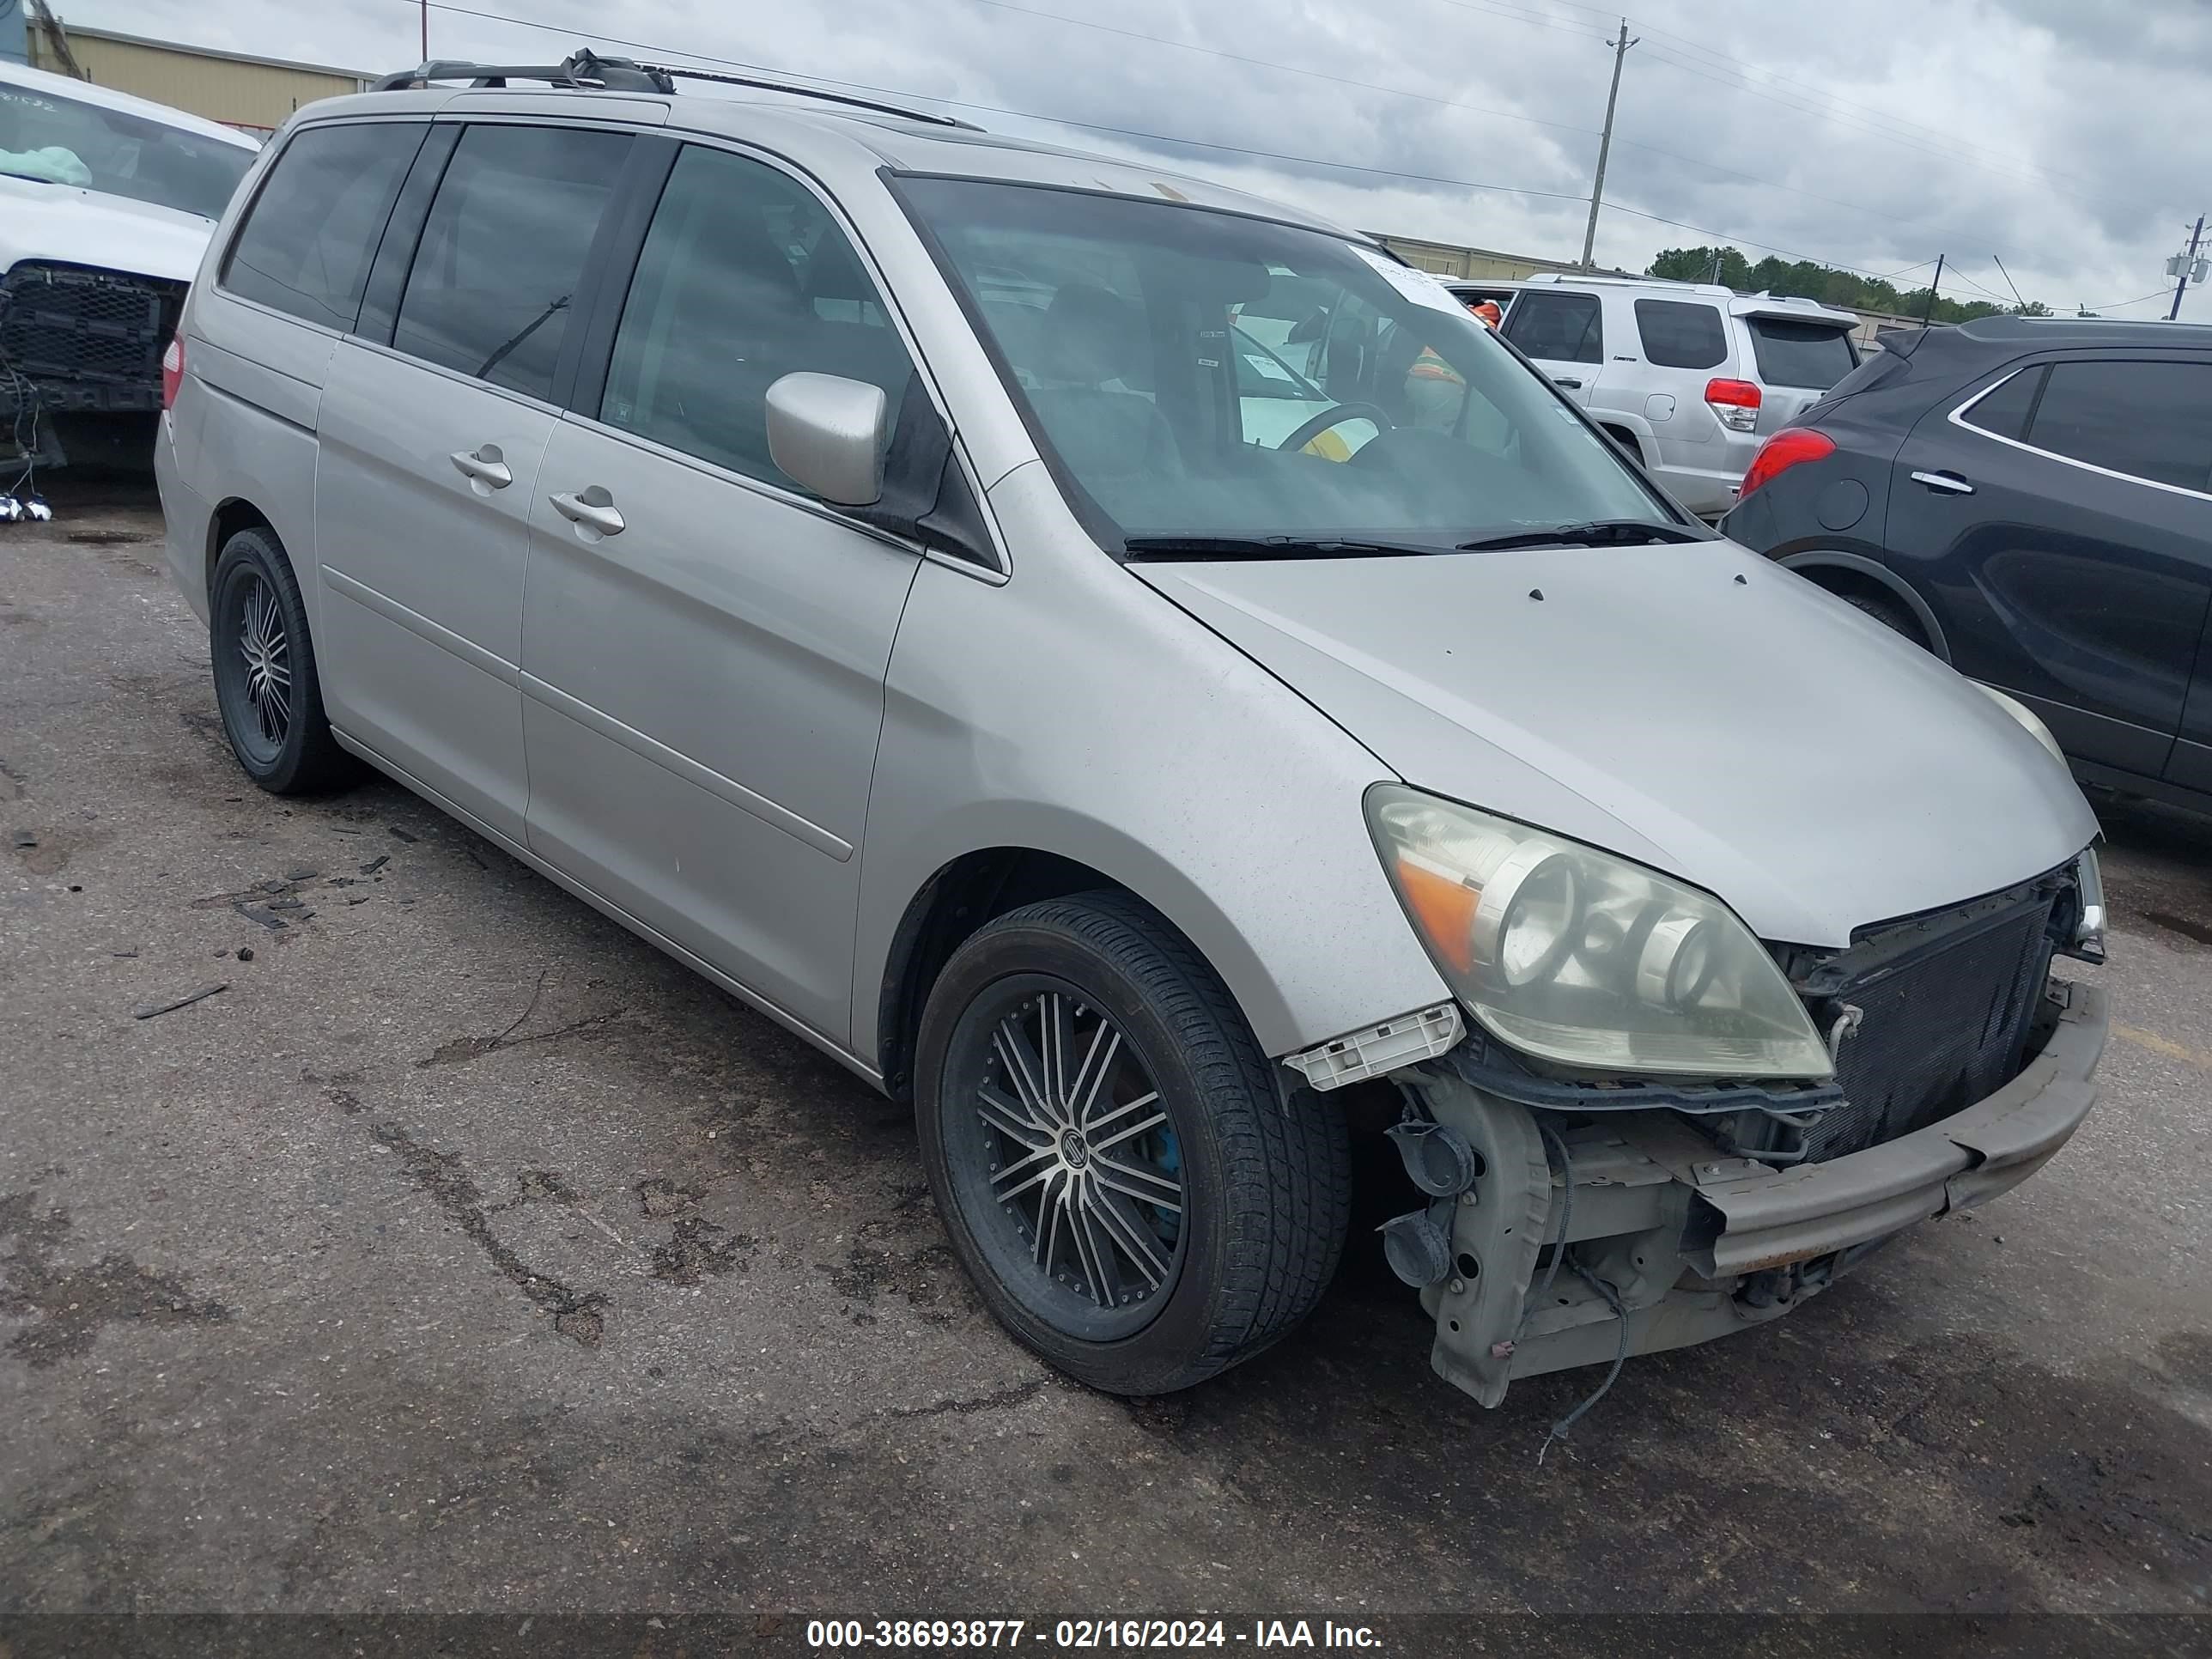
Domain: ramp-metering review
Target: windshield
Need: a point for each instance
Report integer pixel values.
(1197, 373)
(60, 141)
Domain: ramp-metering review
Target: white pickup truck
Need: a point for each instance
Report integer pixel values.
(106, 203)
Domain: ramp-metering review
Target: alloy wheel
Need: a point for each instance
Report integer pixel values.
(264, 653)
(1072, 1160)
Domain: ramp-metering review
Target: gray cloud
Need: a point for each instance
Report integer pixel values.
(2062, 137)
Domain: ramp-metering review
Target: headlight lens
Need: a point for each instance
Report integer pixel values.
(1577, 956)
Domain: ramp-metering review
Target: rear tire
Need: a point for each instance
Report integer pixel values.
(1142, 1220)
(265, 684)
(1889, 613)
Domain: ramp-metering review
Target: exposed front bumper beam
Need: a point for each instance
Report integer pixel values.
(1697, 1243)
(1781, 1216)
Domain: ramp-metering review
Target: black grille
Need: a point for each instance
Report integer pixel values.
(1943, 1024)
(99, 333)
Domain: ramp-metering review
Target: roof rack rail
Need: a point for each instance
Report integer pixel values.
(585, 69)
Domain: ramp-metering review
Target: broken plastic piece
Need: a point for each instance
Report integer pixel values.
(1382, 1048)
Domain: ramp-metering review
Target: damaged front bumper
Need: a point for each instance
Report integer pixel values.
(1695, 1243)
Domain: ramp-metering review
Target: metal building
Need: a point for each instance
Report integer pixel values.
(255, 94)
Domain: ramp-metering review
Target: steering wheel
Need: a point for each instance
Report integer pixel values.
(1315, 426)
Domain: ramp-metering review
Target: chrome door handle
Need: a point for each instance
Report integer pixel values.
(1950, 483)
(592, 507)
(486, 465)
(1571, 384)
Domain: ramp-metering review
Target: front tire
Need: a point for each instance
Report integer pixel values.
(1106, 1143)
(265, 685)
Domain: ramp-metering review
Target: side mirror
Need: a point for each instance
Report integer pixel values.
(827, 433)
(1308, 328)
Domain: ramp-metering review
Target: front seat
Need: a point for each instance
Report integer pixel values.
(1091, 350)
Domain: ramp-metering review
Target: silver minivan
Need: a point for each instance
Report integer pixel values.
(874, 562)
(1690, 377)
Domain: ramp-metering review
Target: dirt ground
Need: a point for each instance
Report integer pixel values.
(462, 1253)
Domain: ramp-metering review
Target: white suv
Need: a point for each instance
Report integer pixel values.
(1691, 376)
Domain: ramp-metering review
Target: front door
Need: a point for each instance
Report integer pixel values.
(704, 647)
(428, 458)
(1564, 332)
(2062, 527)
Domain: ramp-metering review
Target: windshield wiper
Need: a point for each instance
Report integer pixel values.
(1270, 547)
(1600, 532)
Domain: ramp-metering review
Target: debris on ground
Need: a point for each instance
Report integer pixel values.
(201, 995)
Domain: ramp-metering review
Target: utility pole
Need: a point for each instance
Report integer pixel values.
(2188, 264)
(1620, 44)
(1933, 285)
(426, 31)
(58, 38)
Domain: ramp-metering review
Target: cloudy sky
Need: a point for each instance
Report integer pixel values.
(2066, 139)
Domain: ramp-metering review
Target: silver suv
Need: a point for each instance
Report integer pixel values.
(1690, 377)
(1128, 668)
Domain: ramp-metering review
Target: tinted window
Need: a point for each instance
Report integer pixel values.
(1679, 335)
(1815, 355)
(1559, 327)
(2005, 410)
(502, 251)
(2150, 420)
(743, 278)
(312, 231)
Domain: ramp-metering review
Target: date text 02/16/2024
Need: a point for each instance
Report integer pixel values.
(1082, 1633)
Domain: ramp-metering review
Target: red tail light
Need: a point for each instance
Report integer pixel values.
(1735, 402)
(1784, 450)
(173, 371)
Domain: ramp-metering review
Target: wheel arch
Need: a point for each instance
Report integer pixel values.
(1840, 572)
(1619, 427)
(230, 516)
(959, 898)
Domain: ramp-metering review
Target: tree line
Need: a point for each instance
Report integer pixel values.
(1805, 279)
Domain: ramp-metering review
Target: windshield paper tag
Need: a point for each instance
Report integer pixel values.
(1418, 286)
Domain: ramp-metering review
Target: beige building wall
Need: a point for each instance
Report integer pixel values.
(1450, 259)
(257, 94)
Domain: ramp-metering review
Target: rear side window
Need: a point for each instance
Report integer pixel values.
(2148, 420)
(308, 238)
(2005, 408)
(503, 249)
(743, 278)
(1791, 353)
(1560, 328)
(1678, 334)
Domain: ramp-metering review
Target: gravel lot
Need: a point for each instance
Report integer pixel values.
(464, 1252)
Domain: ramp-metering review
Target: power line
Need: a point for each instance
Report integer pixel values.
(1018, 114)
(2094, 192)
(1263, 63)
(1140, 134)
(1742, 70)
(1745, 242)
(1493, 7)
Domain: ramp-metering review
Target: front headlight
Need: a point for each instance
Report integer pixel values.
(1577, 956)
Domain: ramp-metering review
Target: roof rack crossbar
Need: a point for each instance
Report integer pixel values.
(800, 90)
(585, 68)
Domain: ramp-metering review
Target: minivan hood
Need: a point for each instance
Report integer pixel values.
(1691, 707)
(80, 227)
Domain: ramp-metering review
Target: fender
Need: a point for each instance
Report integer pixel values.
(1118, 731)
(1829, 558)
